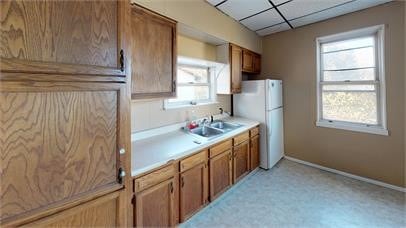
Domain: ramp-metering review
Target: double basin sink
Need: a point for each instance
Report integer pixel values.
(213, 130)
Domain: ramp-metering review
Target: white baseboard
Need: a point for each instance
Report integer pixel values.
(380, 183)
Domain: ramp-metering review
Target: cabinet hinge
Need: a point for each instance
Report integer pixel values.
(174, 86)
(121, 175)
(182, 182)
(122, 60)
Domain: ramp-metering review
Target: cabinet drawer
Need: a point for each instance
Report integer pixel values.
(220, 148)
(155, 177)
(241, 138)
(193, 160)
(254, 132)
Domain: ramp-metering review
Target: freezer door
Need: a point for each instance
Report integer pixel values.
(275, 136)
(250, 103)
(274, 94)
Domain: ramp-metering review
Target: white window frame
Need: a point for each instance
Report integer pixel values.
(381, 128)
(211, 67)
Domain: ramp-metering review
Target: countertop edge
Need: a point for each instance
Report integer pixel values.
(138, 172)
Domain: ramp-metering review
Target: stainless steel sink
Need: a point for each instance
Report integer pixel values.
(213, 130)
(225, 126)
(206, 131)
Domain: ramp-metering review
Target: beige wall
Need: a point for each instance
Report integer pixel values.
(196, 49)
(201, 16)
(291, 56)
(404, 26)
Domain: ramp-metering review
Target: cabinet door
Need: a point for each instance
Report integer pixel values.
(59, 144)
(247, 61)
(156, 206)
(221, 174)
(257, 64)
(193, 190)
(101, 212)
(236, 73)
(254, 152)
(241, 164)
(67, 37)
(153, 54)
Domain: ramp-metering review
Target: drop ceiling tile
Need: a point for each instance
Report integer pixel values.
(262, 20)
(274, 29)
(278, 2)
(239, 9)
(336, 11)
(299, 8)
(214, 2)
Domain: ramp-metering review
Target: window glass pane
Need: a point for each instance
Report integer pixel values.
(356, 58)
(346, 44)
(192, 93)
(360, 88)
(357, 107)
(352, 75)
(188, 74)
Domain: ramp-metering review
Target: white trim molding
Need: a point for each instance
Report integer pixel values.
(368, 180)
(380, 128)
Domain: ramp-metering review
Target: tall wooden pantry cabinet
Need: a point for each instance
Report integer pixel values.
(64, 113)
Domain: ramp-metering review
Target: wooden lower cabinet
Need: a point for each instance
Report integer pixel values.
(157, 206)
(101, 212)
(254, 152)
(193, 190)
(241, 165)
(221, 173)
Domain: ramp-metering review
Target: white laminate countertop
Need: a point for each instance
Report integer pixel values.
(155, 151)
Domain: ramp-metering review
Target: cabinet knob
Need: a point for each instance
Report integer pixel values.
(122, 151)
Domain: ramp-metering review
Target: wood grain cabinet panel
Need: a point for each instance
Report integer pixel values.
(236, 71)
(193, 190)
(241, 164)
(57, 146)
(154, 55)
(101, 212)
(60, 32)
(221, 173)
(157, 206)
(247, 61)
(254, 152)
(257, 64)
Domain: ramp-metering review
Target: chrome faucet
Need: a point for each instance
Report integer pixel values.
(222, 111)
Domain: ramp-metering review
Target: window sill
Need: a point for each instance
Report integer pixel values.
(180, 106)
(353, 127)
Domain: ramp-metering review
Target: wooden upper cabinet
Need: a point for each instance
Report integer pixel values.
(251, 62)
(49, 36)
(247, 61)
(157, 206)
(154, 57)
(235, 65)
(241, 164)
(257, 64)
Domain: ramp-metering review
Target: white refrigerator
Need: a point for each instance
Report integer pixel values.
(261, 100)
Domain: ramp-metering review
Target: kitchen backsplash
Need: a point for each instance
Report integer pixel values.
(149, 114)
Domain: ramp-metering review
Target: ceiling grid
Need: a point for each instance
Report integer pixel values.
(271, 16)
